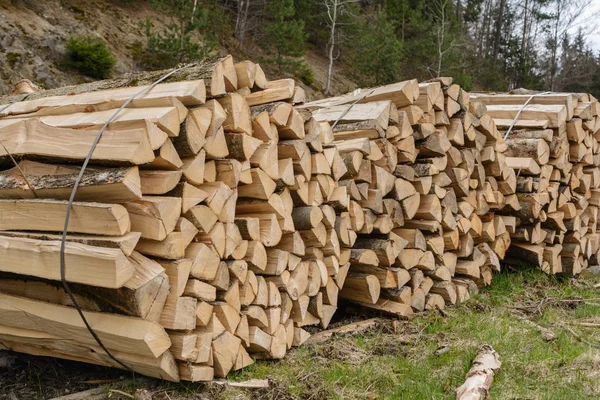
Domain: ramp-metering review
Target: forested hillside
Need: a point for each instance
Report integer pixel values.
(484, 44)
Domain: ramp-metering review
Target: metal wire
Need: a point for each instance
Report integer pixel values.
(350, 106)
(29, 185)
(70, 206)
(510, 128)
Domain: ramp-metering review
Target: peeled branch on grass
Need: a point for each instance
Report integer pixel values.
(481, 375)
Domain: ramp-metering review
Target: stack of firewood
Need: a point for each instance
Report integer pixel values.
(425, 174)
(203, 232)
(221, 215)
(553, 147)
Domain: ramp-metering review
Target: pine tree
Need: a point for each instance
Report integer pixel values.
(376, 50)
(179, 42)
(285, 38)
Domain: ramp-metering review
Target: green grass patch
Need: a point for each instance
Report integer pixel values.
(532, 320)
(408, 364)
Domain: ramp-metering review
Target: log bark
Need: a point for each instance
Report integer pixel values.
(481, 375)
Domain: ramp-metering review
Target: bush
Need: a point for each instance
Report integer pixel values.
(90, 56)
(191, 36)
(284, 40)
(304, 73)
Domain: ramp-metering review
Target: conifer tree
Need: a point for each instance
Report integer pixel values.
(285, 38)
(187, 38)
(377, 52)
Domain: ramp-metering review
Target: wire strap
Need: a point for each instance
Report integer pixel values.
(349, 107)
(70, 205)
(510, 128)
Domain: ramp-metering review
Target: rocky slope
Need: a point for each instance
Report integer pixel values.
(33, 36)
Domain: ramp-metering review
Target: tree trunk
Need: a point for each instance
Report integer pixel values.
(498, 30)
(331, 45)
(524, 35)
(555, 45)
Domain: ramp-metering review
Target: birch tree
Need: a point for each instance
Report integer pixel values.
(336, 9)
(248, 18)
(444, 42)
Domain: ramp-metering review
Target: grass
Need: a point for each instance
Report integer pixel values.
(529, 318)
(406, 365)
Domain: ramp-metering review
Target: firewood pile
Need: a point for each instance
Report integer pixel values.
(221, 214)
(554, 149)
(425, 178)
(203, 234)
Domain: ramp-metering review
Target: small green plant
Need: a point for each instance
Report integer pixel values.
(79, 13)
(189, 37)
(13, 58)
(90, 56)
(304, 73)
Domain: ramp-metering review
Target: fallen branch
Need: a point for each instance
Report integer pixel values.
(582, 340)
(98, 393)
(586, 324)
(481, 375)
(547, 334)
(95, 393)
(122, 393)
(250, 384)
(355, 327)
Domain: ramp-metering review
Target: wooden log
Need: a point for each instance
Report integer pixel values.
(262, 187)
(196, 373)
(48, 345)
(245, 72)
(32, 138)
(48, 215)
(391, 307)
(481, 375)
(225, 350)
(56, 182)
(566, 99)
(447, 290)
(555, 114)
(112, 93)
(216, 145)
(192, 133)
(375, 111)
(126, 242)
(279, 90)
(402, 94)
(190, 195)
(532, 148)
(165, 119)
(241, 146)
(526, 253)
(158, 182)
(526, 166)
(361, 288)
(141, 337)
(143, 295)
(178, 313)
(155, 217)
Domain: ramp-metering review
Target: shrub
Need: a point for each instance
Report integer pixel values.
(305, 73)
(90, 56)
(284, 40)
(189, 37)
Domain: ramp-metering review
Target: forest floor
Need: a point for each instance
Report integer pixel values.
(535, 322)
